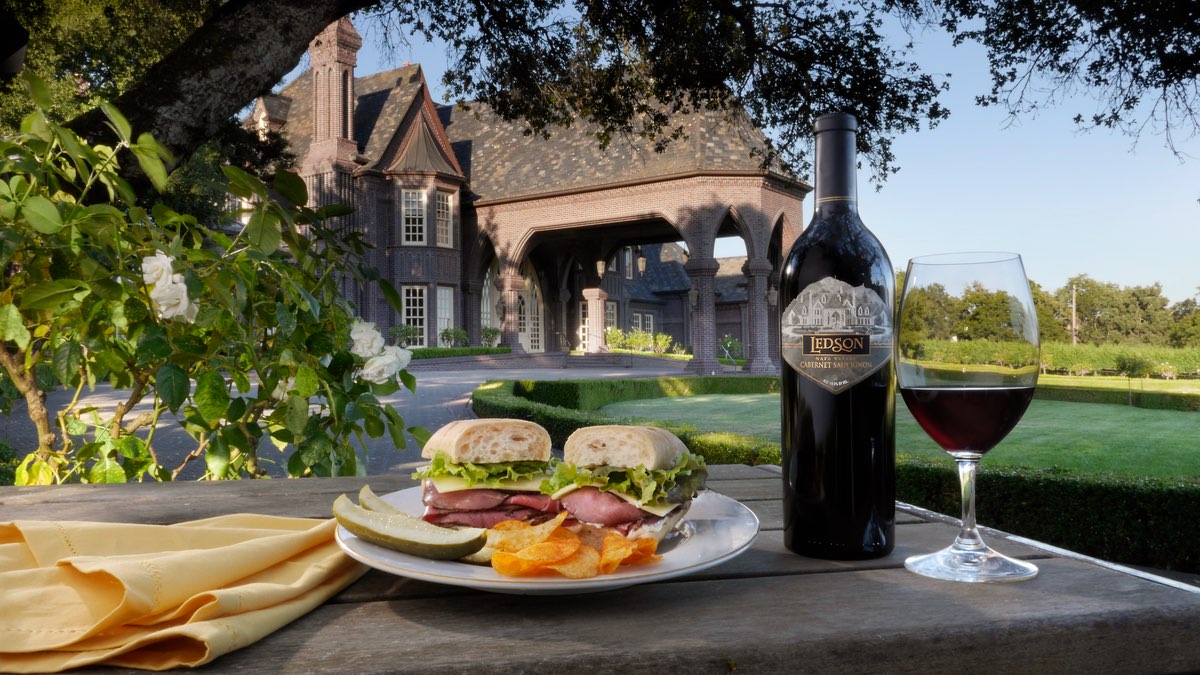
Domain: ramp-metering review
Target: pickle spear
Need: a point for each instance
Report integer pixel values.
(404, 533)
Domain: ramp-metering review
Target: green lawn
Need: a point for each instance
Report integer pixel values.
(1081, 437)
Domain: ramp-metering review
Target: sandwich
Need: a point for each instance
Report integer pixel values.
(485, 471)
(635, 480)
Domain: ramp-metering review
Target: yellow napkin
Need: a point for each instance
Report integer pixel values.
(158, 596)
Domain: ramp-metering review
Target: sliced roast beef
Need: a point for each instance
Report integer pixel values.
(601, 508)
(463, 500)
(480, 518)
(484, 507)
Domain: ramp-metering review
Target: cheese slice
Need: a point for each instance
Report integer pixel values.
(454, 484)
(659, 510)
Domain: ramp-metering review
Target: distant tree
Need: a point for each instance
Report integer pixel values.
(1052, 315)
(1185, 323)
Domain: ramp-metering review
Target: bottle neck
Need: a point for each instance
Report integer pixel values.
(836, 173)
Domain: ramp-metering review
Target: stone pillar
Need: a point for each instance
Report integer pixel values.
(704, 316)
(511, 285)
(758, 361)
(595, 298)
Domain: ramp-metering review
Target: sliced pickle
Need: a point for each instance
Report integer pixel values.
(404, 533)
(372, 502)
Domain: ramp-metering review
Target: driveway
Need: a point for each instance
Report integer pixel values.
(442, 396)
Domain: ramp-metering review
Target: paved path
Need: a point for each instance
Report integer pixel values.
(442, 396)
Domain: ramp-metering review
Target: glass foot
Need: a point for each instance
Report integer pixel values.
(979, 565)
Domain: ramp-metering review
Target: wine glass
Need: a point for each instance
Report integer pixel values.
(967, 358)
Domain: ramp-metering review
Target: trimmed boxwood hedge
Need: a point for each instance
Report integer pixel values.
(1148, 522)
(446, 352)
(563, 406)
(1157, 400)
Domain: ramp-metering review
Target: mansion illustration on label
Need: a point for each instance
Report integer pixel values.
(477, 224)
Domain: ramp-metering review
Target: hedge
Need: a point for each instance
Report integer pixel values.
(1158, 400)
(8, 464)
(445, 352)
(1143, 521)
(541, 402)
(1078, 359)
(1148, 522)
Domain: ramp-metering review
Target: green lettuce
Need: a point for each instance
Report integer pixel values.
(645, 486)
(483, 475)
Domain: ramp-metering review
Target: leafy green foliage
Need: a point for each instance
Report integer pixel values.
(489, 335)
(446, 352)
(178, 314)
(453, 337)
(405, 334)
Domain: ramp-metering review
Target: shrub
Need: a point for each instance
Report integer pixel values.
(404, 334)
(679, 349)
(453, 337)
(1134, 365)
(639, 340)
(730, 346)
(662, 343)
(489, 336)
(614, 337)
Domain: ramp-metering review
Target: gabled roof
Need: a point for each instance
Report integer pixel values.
(395, 121)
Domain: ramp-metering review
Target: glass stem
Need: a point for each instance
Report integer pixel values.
(968, 540)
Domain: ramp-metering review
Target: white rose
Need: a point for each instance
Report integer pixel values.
(170, 299)
(157, 269)
(280, 392)
(366, 341)
(383, 368)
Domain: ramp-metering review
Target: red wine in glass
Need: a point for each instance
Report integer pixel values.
(967, 419)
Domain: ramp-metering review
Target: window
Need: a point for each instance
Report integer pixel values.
(610, 314)
(648, 322)
(521, 314)
(414, 312)
(635, 321)
(413, 217)
(445, 311)
(583, 324)
(444, 219)
(628, 262)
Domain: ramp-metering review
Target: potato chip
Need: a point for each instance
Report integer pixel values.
(510, 565)
(514, 535)
(582, 564)
(644, 552)
(549, 551)
(614, 551)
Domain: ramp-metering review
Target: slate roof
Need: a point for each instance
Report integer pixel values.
(729, 284)
(382, 101)
(664, 273)
(501, 162)
(505, 163)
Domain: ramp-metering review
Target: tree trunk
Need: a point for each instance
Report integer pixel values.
(242, 51)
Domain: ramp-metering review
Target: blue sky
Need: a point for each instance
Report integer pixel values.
(1069, 202)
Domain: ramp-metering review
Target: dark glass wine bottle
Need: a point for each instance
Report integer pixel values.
(838, 387)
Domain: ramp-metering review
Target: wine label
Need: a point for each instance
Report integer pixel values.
(835, 334)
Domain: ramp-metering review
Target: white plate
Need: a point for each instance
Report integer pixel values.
(715, 529)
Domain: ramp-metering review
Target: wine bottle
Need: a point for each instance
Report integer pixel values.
(838, 387)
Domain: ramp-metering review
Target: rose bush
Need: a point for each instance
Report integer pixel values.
(238, 328)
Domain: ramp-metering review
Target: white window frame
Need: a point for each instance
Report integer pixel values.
(445, 311)
(610, 314)
(415, 307)
(412, 217)
(635, 321)
(444, 218)
(583, 324)
(648, 322)
(628, 262)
